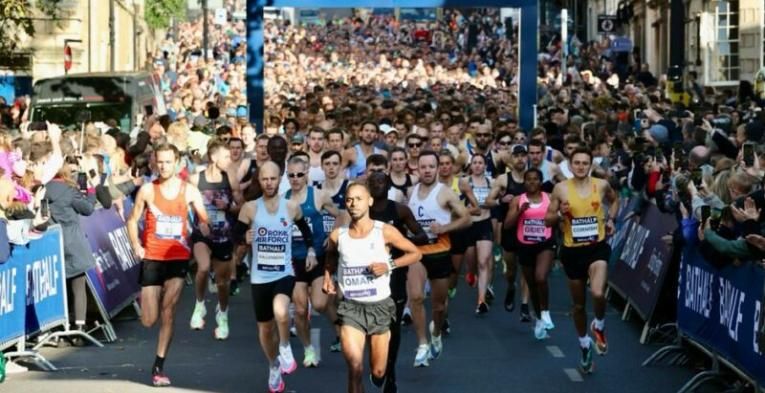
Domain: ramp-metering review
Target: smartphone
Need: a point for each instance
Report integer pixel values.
(82, 180)
(93, 174)
(706, 212)
(44, 208)
(696, 177)
(749, 155)
(148, 110)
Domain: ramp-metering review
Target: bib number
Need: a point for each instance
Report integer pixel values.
(534, 230)
(584, 229)
(271, 257)
(169, 227)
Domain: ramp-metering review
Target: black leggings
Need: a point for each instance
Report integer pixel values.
(395, 338)
(78, 286)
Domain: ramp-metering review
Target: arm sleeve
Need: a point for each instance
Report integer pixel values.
(239, 232)
(735, 248)
(725, 146)
(305, 230)
(83, 206)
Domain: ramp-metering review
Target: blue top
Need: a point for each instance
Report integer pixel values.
(360, 166)
(314, 220)
(272, 245)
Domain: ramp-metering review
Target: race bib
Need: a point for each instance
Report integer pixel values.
(584, 229)
(218, 218)
(271, 257)
(169, 227)
(481, 194)
(425, 224)
(328, 222)
(534, 230)
(358, 282)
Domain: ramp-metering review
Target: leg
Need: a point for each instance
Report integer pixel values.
(544, 263)
(579, 314)
(483, 251)
(300, 299)
(598, 272)
(416, 287)
(353, 350)
(395, 341)
(269, 340)
(378, 353)
(150, 305)
(439, 290)
(202, 256)
(80, 297)
(223, 271)
(457, 263)
(321, 301)
(173, 288)
(528, 274)
(281, 305)
(470, 261)
(510, 271)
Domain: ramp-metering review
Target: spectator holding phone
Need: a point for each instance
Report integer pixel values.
(67, 202)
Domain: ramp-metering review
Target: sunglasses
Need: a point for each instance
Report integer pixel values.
(296, 175)
(415, 145)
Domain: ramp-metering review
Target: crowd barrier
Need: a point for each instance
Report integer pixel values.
(640, 258)
(720, 310)
(32, 293)
(114, 279)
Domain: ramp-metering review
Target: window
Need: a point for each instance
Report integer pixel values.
(725, 56)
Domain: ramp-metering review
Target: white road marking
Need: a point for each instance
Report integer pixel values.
(555, 351)
(573, 374)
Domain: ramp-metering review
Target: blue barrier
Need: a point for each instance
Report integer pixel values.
(721, 310)
(33, 288)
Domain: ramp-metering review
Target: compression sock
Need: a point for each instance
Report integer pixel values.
(159, 363)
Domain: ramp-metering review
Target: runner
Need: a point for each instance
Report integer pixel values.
(401, 217)
(458, 238)
(415, 145)
(308, 258)
(479, 235)
(550, 171)
(439, 211)
(267, 223)
(248, 168)
(535, 246)
(378, 163)
(578, 204)
(221, 198)
(335, 185)
(400, 178)
(355, 157)
(509, 186)
(315, 150)
(164, 249)
(360, 254)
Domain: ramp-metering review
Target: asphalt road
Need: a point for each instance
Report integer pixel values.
(496, 353)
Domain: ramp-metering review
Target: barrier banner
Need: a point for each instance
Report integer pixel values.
(721, 309)
(114, 279)
(642, 259)
(33, 288)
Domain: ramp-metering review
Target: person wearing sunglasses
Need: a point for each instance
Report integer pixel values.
(414, 145)
(308, 258)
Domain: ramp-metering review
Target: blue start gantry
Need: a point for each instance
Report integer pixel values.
(528, 42)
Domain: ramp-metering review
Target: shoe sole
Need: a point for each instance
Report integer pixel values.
(160, 385)
(198, 328)
(423, 364)
(290, 370)
(600, 352)
(278, 390)
(218, 337)
(587, 371)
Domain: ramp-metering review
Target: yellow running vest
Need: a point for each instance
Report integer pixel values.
(585, 225)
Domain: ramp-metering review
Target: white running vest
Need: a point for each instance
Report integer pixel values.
(356, 281)
(272, 246)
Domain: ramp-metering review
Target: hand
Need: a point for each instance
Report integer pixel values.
(220, 204)
(249, 236)
(310, 262)
(378, 268)
(139, 251)
(610, 227)
(329, 284)
(436, 228)
(749, 212)
(205, 229)
(704, 226)
(508, 198)
(757, 241)
(54, 132)
(565, 208)
(523, 207)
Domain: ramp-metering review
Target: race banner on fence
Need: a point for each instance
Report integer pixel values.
(642, 258)
(721, 309)
(33, 288)
(114, 279)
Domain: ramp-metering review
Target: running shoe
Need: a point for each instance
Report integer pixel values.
(470, 279)
(525, 314)
(198, 316)
(336, 346)
(601, 345)
(309, 357)
(221, 318)
(540, 333)
(234, 288)
(446, 327)
(482, 309)
(452, 292)
(293, 331)
(510, 300)
(286, 359)
(586, 366)
(406, 318)
(436, 347)
(421, 358)
(160, 380)
(549, 325)
(377, 383)
(489, 294)
(275, 381)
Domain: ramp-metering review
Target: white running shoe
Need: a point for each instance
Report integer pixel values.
(549, 325)
(540, 331)
(436, 347)
(275, 381)
(198, 316)
(421, 358)
(221, 318)
(286, 360)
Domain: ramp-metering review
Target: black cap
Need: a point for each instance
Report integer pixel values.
(519, 149)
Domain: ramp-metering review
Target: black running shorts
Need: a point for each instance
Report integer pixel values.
(263, 296)
(577, 260)
(155, 273)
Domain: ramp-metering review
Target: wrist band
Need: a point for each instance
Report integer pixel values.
(391, 265)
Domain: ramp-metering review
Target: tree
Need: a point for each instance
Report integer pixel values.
(159, 12)
(17, 18)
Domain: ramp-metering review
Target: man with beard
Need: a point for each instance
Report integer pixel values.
(355, 157)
